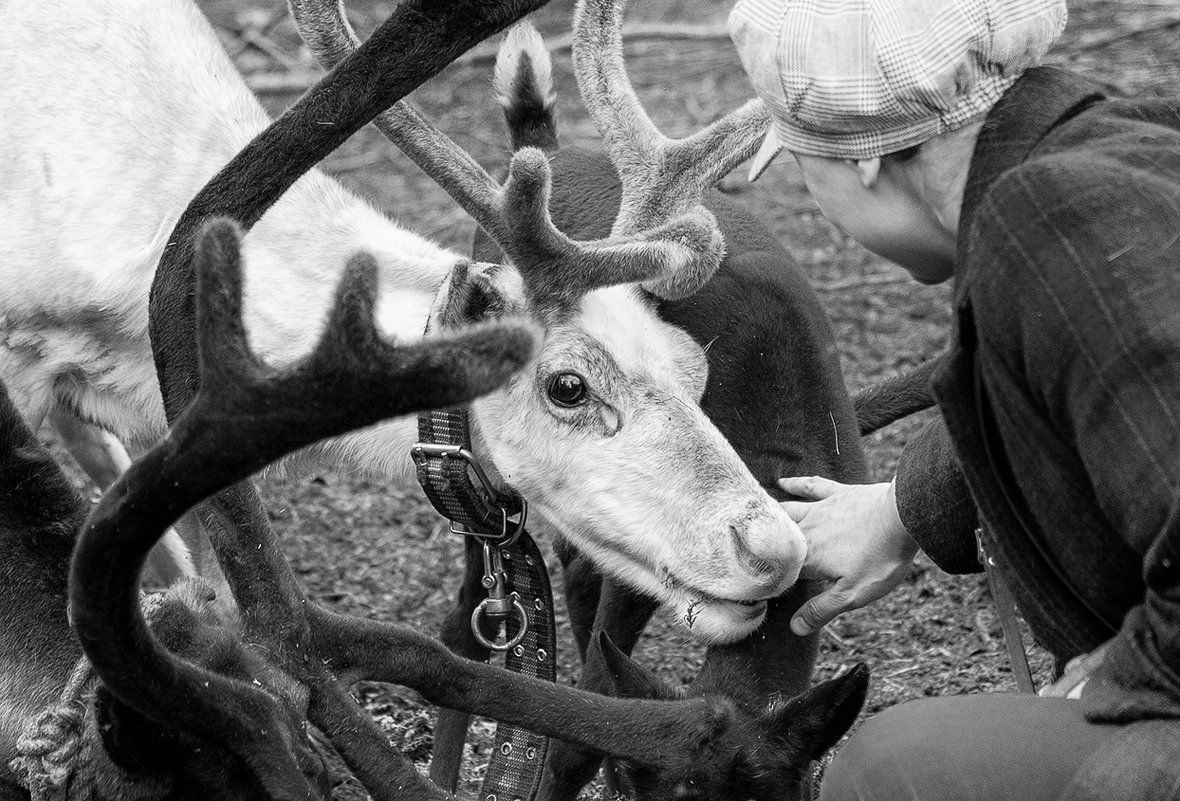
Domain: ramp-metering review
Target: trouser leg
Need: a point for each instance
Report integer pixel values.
(1002, 747)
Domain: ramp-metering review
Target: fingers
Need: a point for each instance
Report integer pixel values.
(797, 510)
(1077, 672)
(847, 593)
(813, 488)
(823, 609)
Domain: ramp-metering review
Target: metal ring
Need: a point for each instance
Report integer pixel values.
(518, 607)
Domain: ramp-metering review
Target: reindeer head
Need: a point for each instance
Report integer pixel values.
(762, 756)
(603, 432)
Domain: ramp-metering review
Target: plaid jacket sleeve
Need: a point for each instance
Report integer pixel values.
(934, 503)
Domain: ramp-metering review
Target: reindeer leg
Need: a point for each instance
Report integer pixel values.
(450, 729)
(583, 587)
(622, 614)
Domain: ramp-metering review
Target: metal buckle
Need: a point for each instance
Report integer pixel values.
(499, 606)
(420, 451)
(504, 539)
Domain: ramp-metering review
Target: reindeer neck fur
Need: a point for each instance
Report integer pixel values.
(124, 114)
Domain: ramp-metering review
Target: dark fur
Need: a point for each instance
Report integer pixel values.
(40, 517)
(792, 733)
(888, 401)
(775, 391)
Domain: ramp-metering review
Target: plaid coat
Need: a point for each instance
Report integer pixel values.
(1060, 398)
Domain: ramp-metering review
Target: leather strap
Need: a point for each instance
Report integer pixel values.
(446, 480)
(518, 759)
(1006, 609)
(444, 466)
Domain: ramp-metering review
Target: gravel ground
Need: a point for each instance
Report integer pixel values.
(368, 549)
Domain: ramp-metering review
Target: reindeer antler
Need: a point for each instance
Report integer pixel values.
(662, 178)
(418, 39)
(674, 255)
(245, 416)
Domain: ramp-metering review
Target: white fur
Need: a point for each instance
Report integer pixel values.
(124, 108)
(522, 40)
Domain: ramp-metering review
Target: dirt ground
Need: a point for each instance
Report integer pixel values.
(364, 548)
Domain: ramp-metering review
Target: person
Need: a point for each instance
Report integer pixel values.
(929, 132)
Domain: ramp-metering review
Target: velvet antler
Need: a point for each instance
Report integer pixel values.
(662, 178)
(673, 255)
(418, 39)
(245, 416)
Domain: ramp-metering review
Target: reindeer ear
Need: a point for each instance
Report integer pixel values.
(816, 720)
(477, 292)
(611, 672)
(131, 741)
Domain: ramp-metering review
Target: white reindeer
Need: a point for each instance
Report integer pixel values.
(125, 108)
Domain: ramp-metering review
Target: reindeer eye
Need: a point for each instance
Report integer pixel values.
(567, 389)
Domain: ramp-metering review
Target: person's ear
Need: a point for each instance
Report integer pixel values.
(869, 169)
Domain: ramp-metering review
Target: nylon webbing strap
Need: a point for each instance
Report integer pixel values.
(444, 467)
(446, 480)
(519, 755)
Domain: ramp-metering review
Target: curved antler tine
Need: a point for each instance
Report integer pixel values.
(325, 29)
(671, 261)
(710, 154)
(633, 141)
(221, 342)
(557, 269)
(389, 380)
(351, 328)
(545, 257)
(662, 178)
(631, 138)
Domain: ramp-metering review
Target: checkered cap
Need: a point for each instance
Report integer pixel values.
(861, 78)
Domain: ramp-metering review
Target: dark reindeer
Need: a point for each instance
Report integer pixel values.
(198, 706)
(774, 386)
(774, 390)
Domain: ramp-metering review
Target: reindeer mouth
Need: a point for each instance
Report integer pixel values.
(714, 618)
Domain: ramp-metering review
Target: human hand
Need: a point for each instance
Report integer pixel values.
(855, 538)
(1077, 672)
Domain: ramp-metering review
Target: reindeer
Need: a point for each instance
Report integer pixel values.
(774, 385)
(197, 706)
(603, 435)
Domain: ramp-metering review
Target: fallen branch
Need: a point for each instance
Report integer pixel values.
(857, 281)
(299, 81)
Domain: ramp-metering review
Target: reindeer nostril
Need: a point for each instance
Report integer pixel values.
(748, 559)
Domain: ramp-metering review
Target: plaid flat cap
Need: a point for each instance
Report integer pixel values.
(858, 79)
